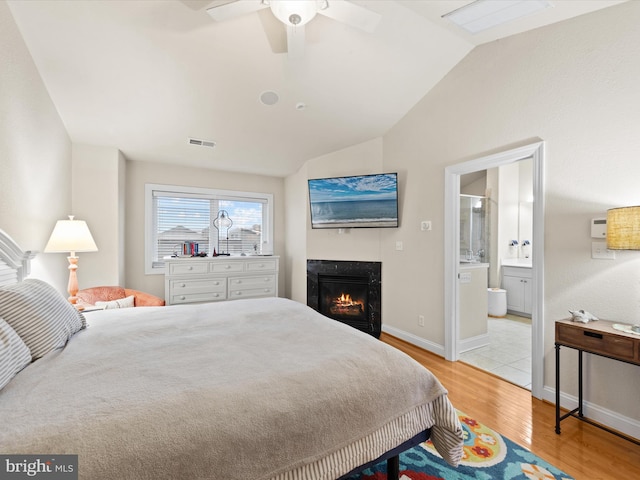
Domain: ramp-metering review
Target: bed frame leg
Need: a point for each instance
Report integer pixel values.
(393, 468)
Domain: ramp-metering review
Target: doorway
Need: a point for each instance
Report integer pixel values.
(535, 152)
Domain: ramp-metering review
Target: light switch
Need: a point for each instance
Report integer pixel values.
(399, 245)
(599, 250)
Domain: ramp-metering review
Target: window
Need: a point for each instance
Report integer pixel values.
(180, 219)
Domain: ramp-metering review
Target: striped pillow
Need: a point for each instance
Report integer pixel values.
(40, 315)
(14, 354)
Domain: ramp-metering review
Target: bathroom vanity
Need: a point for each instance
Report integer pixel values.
(517, 281)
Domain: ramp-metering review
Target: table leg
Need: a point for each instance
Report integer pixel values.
(557, 388)
(580, 383)
(393, 468)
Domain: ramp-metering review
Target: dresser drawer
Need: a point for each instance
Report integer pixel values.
(261, 265)
(197, 297)
(595, 341)
(188, 268)
(190, 286)
(258, 286)
(226, 267)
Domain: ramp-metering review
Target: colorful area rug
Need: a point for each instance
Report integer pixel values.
(487, 455)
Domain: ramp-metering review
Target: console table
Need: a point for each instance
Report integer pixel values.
(597, 338)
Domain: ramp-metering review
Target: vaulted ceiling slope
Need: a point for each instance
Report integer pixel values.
(145, 75)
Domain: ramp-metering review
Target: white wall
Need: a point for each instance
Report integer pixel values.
(574, 85)
(98, 199)
(303, 242)
(35, 156)
(140, 173)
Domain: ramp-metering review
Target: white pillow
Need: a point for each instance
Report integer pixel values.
(125, 302)
(40, 315)
(14, 354)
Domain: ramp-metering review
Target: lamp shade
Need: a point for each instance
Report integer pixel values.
(623, 228)
(71, 236)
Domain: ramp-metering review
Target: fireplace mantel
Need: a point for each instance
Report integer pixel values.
(369, 271)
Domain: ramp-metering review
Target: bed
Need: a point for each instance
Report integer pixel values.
(247, 389)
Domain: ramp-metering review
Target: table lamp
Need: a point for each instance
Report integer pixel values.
(623, 228)
(623, 232)
(71, 236)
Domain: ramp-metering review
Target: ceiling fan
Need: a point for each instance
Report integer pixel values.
(295, 14)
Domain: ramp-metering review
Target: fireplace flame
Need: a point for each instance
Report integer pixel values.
(345, 305)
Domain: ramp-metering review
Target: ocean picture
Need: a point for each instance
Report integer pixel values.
(359, 201)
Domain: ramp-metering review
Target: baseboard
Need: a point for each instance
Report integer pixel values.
(474, 342)
(625, 425)
(613, 420)
(414, 340)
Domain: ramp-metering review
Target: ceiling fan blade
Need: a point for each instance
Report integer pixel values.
(295, 41)
(275, 31)
(235, 9)
(352, 15)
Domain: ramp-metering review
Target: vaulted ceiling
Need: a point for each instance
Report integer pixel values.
(146, 75)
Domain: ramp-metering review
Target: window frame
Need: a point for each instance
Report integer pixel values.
(150, 218)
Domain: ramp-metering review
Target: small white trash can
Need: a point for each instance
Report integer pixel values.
(497, 301)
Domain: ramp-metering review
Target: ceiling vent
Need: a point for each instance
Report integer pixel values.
(201, 143)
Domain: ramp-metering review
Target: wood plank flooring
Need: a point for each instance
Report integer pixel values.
(581, 450)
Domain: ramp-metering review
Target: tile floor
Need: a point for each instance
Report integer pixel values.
(508, 354)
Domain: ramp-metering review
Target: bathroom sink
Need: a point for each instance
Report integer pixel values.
(517, 262)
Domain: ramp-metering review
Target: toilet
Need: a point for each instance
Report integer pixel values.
(497, 301)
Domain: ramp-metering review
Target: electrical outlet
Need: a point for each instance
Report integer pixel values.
(421, 320)
(465, 277)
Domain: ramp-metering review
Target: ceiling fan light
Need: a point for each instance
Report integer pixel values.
(294, 12)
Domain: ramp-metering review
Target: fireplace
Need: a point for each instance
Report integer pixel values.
(346, 291)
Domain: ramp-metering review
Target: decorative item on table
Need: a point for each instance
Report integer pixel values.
(71, 236)
(582, 316)
(221, 222)
(626, 328)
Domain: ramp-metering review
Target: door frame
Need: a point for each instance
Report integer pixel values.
(535, 151)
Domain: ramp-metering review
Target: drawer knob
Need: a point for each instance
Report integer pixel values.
(238, 293)
(261, 265)
(216, 295)
(182, 297)
(227, 267)
(216, 283)
(266, 290)
(182, 285)
(190, 267)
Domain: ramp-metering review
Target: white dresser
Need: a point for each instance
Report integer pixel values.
(213, 279)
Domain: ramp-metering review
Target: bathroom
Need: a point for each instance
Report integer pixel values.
(496, 227)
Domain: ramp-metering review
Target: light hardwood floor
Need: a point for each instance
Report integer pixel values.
(581, 450)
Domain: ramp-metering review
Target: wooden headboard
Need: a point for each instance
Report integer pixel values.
(14, 263)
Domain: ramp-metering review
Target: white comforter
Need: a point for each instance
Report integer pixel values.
(247, 390)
